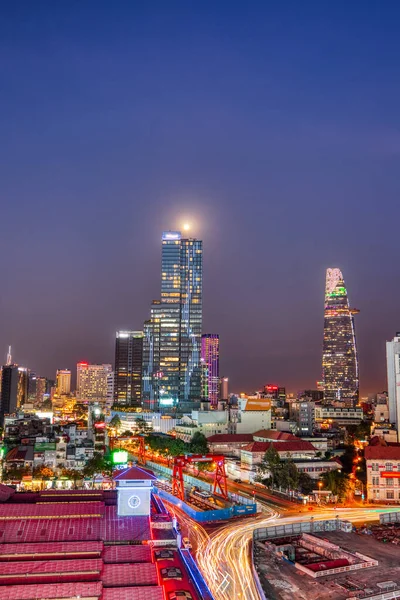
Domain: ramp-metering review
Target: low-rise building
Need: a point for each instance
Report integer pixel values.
(252, 454)
(229, 444)
(383, 473)
(327, 416)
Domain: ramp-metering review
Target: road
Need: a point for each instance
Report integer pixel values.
(223, 554)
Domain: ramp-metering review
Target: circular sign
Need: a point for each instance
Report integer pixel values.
(133, 501)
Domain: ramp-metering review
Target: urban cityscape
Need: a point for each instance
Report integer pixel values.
(141, 470)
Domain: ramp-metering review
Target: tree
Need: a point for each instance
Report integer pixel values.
(270, 467)
(142, 426)
(73, 475)
(126, 433)
(306, 483)
(115, 422)
(337, 482)
(14, 473)
(198, 443)
(177, 447)
(97, 465)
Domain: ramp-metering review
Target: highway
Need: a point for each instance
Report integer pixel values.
(223, 554)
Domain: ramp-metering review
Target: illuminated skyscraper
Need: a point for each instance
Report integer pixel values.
(63, 382)
(91, 381)
(210, 356)
(172, 336)
(339, 359)
(128, 368)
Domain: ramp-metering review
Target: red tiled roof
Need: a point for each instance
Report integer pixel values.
(281, 447)
(271, 434)
(230, 438)
(124, 554)
(382, 452)
(133, 593)
(129, 574)
(58, 591)
(134, 473)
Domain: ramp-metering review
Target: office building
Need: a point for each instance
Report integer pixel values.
(41, 386)
(14, 389)
(91, 382)
(303, 414)
(339, 360)
(128, 368)
(63, 382)
(210, 358)
(393, 379)
(172, 336)
(224, 389)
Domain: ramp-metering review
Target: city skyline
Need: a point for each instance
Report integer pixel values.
(284, 162)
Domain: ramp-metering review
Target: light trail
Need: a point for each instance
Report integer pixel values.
(224, 555)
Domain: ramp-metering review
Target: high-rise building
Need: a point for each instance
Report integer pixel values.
(32, 383)
(128, 368)
(339, 358)
(393, 379)
(172, 336)
(210, 356)
(14, 389)
(91, 381)
(41, 386)
(63, 382)
(224, 389)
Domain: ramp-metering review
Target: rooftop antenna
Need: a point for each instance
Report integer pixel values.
(9, 357)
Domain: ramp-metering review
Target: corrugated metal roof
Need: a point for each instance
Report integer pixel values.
(13, 551)
(129, 574)
(133, 593)
(58, 591)
(35, 511)
(58, 567)
(5, 492)
(124, 554)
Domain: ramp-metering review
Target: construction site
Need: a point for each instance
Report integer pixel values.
(325, 563)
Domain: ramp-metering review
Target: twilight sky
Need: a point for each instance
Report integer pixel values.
(273, 127)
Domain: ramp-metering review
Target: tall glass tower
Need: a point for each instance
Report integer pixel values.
(210, 357)
(339, 358)
(172, 336)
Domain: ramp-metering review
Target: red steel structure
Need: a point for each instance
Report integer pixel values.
(142, 447)
(219, 487)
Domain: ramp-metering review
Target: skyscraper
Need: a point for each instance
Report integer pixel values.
(172, 336)
(210, 356)
(63, 382)
(393, 379)
(339, 358)
(128, 368)
(14, 389)
(91, 382)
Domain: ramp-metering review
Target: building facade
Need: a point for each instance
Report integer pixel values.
(63, 382)
(393, 379)
(128, 368)
(172, 336)
(303, 413)
(339, 359)
(91, 381)
(210, 358)
(383, 473)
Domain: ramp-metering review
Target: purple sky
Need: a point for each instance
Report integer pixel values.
(274, 129)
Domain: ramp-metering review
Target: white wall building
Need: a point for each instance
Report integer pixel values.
(393, 378)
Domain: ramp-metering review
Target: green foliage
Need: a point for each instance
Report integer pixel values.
(198, 444)
(337, 482)
(142, 426)
(15, 473)
(279, 474)
(126, 433)
(115, 422)
(347, 458)
(97, 465)
(306, 483)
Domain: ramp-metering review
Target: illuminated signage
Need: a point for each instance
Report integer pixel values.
(119, 457)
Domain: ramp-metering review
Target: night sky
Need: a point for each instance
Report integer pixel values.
(273, 127)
